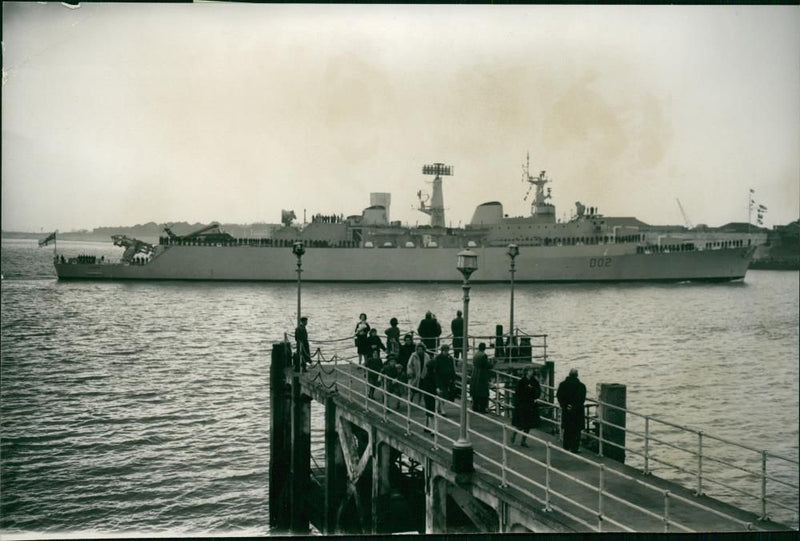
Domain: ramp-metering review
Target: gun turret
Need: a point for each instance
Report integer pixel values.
(132, 247)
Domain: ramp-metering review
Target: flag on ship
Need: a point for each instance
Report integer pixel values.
(760, 211)
(48, 239)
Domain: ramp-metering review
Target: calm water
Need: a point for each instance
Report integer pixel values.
(144, 407)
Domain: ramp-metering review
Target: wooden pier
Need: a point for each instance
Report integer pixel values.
(383, 472)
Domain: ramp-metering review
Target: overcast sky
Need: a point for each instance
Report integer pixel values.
(123, 114)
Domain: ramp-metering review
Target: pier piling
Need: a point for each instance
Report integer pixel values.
(384, 473)
(335, 469)
(301, 455)
(280, 439)
(611, 415)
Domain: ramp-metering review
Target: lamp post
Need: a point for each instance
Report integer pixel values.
(298, 249)
(512, 252)
(462, 448)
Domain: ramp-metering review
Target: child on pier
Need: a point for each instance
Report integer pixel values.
(393, 374)
(375, 367)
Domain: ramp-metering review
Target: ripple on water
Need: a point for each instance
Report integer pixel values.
(144, 408)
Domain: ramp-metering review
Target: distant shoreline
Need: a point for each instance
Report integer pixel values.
(61, 236)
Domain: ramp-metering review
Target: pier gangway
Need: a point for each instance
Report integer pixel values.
(538, 488)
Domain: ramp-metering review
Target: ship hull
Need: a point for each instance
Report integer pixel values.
(591, 263)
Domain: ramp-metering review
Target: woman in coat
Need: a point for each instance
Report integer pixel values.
(526, 410)
(427, 383)
(362, 333)
(416, 363)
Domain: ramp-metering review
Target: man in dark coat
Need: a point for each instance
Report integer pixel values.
(429, 331)
(526, 410)
(479, 383)
(406, 350)
(571, 394)
(457, 328)
(301, 337)
(375, 367)
(445, 370)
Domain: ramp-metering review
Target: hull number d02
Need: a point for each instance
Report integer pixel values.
(599, 262)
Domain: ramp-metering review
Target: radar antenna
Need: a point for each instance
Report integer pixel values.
(539, 203)
(436, 209)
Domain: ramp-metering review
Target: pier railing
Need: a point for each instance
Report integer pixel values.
(705, 462)
(513, 468)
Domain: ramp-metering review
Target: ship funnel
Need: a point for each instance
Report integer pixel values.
(490, 213)
(381, 199)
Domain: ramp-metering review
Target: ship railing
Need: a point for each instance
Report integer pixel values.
(395, 402)
(691, 457)
(694, 458)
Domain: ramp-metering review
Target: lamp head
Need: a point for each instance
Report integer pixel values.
(467, 262)
(298, 249)
(512, 251)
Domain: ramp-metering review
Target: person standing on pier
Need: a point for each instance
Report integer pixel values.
(303, 348)
(393, 337)
(429, 331)
(457, 328)
(362, 333)
(406, 350)
(427, 383)
(445, 376)
(374, 341)
(393, 377)
(571, 394)
(479, 383)
(526, 409)
(374, 367)
(416, 365)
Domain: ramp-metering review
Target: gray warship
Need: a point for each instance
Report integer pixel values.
(369, 247)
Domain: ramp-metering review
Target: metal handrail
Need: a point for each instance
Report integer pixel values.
(550, 469)
(579, 481)
(701, 473)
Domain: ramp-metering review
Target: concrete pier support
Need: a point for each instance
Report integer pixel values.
(280, 439)
(613, 396)
(436, 506)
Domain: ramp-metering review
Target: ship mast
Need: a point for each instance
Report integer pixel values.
(436, 208)
(539, 206)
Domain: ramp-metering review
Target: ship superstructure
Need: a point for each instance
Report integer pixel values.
(371, 247)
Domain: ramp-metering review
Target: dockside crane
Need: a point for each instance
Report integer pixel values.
(685, 217)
